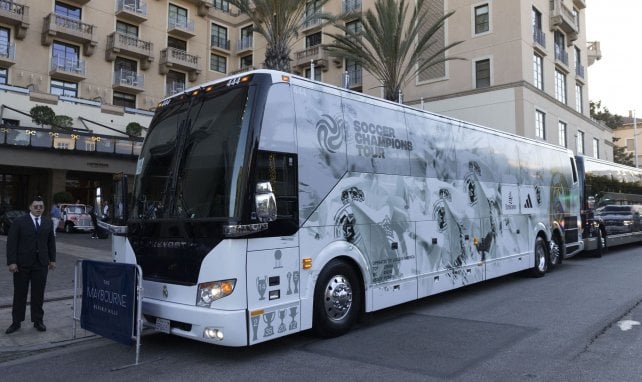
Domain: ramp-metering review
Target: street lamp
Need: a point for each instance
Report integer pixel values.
(635, 138)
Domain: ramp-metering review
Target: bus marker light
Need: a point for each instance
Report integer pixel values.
(307, 263)
(285, 78)
(257, 313)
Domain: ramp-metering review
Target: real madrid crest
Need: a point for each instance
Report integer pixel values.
(165, 291)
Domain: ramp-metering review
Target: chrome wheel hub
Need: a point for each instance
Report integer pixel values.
(338, 298)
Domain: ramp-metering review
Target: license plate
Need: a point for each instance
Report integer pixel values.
(162, 325)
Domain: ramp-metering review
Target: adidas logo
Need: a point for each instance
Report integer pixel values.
(529, 202)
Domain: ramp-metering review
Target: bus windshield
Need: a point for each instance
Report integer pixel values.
(194, 158)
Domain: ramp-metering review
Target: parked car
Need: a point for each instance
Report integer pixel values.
(75, 217)
(7, 218)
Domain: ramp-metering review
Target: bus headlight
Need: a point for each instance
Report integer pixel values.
(212, 291)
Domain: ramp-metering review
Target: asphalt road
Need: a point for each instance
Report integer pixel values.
(578, 323)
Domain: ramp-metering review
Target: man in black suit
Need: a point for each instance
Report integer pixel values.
(31, 252)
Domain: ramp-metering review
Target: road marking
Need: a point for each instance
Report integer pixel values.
(627, 324)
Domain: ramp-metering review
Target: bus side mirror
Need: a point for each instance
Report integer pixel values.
(265, 202)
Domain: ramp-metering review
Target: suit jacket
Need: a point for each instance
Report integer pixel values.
(26, 246)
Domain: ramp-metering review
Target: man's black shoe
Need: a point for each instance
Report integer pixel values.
(14, 326)
(39, 326)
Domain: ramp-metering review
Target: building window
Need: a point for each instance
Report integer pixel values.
(538, 35)
(562, 133)
(65, 57)
(579, 68)
(174, 82)
(630, 145)
(538, 71)
(317, 74)
(64, 88)
(354, 26)
(482, 19)
(313, 40)
(246, 37)
(177, 15)
(176, 43)
(560, 86)
(580, 142)
(578, 99)
(219, 37)
(482, 73)
(246, 61)
(223, 5)
(3, 76)
(124, 99)
(127, 29)
(218, 63)
(540, 124)
(560, 47)
(596, 148)
(355, 74)
(66, 10)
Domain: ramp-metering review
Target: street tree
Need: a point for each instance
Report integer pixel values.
(279, 22)
(614, 121)
(389, 46)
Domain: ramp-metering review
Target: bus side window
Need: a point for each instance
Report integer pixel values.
(280, 170)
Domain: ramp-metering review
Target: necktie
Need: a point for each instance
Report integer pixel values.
(37, 224)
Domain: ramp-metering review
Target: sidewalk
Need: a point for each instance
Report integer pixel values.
(59, 292)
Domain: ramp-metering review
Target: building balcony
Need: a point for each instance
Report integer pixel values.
(120, 43)
(67, 69)
(220, 44)
(183, 29)
(128, 81)
(7, 55)
(172, 58)
(242, 70)
(316, 54)
(563, 18)
(134, 11)
(174, 88)
(579, 4)
(70, 29)
(15, 14)
(314, 22)
(594, 52)
(244, 45)
(203, 6)
(351, 7)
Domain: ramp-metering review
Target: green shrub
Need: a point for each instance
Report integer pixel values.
(42, 115)
(134, 129)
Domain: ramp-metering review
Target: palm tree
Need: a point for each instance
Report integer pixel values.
(279, 22)
(388, 47)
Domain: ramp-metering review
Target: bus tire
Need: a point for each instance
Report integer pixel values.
(337, 299)
(555, 252)
(541, 258)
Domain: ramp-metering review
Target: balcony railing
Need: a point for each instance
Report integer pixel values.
(62, 140)
(69, 28)
(311, 22)
(174, 88)
(68, 68)
(180, 59)
(244, 44)
(561, 55)
(314, 53)
(220, 43)
(539, 38)
(15, 14)
(132, 10)
(118, 42)
(7, 55)
(129, 80)
(579, 70)
(181, 28)
(351, 6)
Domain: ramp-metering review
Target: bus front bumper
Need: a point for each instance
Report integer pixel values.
(220, 327)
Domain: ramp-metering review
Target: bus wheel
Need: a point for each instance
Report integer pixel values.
(555, 252)
(541, 261)
(601, 241)
(337, 299)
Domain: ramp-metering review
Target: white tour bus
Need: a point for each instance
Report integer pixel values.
(266, 204)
